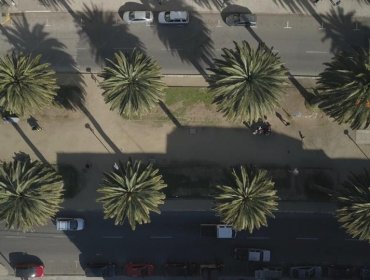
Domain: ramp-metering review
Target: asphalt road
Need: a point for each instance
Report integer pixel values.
(292, 239)
(71, 41)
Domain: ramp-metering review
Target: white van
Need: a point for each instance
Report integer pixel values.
(173, 17)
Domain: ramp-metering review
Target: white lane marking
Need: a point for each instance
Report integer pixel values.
(161, 237)
(258, 237)
(322, 26)
(60, 236)
(219, 23)
(175, 49)
(287, 25)
(113, 236)
(356, 28)
(123, 48)
(316, 52)
(14, 236)
(306, 238)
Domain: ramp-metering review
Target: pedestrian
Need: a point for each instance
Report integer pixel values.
(280, 117)
(301, 135)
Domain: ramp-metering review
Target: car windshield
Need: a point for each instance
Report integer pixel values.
(73, 224)
(167, 16)
(131, 15)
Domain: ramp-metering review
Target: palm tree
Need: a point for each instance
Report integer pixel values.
(247, 83)
(131, 192)
(30, 194)
(354, 206)
(247, 203)
(132, 83)
(26, 85)
(343, 90)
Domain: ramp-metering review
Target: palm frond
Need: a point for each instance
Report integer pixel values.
(131, 193)
(343, 90)
(248, 203)
(247, 83)
(354, 206)
(26, 85)
(132, 83)
(30, 194)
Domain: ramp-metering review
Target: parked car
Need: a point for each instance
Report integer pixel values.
(306, 272)
(72, 224)
(365, 273)
(139, 270)
(176, 269)
(340, 272)
(238, 19)
(26, 271)
(100, 270)
(138, 17)
(181, 269)
(173, 17)
(252, 255)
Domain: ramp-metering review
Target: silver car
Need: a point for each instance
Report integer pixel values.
(173, 17)
(72, 224)
(138, 17)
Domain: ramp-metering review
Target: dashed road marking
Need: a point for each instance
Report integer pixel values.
(14, 236)
(318, 52)
(287, 25)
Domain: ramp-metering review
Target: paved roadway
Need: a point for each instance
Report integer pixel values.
(293, 239)
(303, 42)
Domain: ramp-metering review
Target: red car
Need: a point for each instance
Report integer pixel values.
(139, 270)
(29, 270)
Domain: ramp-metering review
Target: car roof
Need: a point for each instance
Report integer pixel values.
(178, 14)
(139, 14)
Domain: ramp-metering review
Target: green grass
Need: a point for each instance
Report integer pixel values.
(188, 96)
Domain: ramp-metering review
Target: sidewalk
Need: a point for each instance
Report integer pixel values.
(304, 7)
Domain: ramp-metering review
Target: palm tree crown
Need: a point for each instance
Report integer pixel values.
(26, 85)
(354, 206)
(30, 194)
(343, 90)
(248, 203)
(247, 83)
(131, 192)
(132, 84)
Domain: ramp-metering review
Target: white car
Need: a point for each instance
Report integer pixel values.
(173, 17)
(72, 224)
(138, 17)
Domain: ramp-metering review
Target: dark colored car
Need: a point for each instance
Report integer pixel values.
(239, 19)
(29, 270)
(139, 270)
(181, 269)
(100, 270)
(340, 272)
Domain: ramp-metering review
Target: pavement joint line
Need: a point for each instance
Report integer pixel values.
(14, 236)
(41, 11)
(161, 237)
(318, 52)
(307, 238)
(113, 236)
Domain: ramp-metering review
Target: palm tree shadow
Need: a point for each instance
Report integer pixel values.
(307, 95)
(73, 98)
(29, 143)
(195, 46)
(299, 7)
(34, 40)
(344, 31)
(104, 32)
(169, 114)
(56, 4)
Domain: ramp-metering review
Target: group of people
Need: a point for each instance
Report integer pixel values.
(263, 129)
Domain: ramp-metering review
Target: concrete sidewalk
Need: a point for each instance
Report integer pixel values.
(304, 7)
